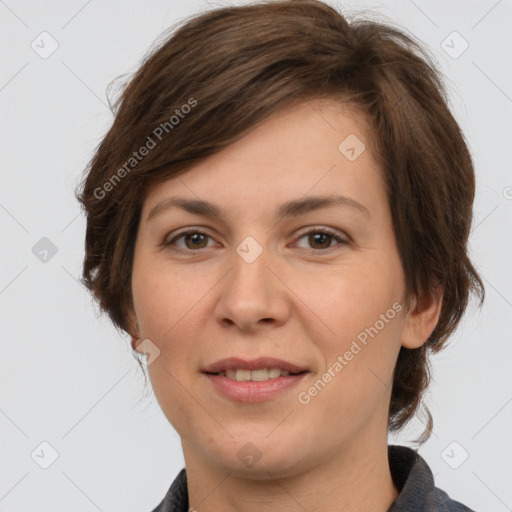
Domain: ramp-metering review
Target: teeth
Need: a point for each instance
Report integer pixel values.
(259, 375)
(242, 375)
(273, 373)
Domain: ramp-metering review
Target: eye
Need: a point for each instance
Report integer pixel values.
(193, 239)
(320, 239)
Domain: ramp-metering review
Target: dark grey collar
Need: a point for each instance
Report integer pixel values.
(414, 479)
(411, 475)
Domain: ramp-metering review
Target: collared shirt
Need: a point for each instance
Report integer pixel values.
(411, 476)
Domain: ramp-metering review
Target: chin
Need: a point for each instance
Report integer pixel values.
(253, 456)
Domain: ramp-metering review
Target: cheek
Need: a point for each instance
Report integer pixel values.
(162, 296)
(164, 304)
(353, 389)
(359, 304)
(171, 308)
(350, 297)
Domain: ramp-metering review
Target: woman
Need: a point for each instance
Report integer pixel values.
(279, 218)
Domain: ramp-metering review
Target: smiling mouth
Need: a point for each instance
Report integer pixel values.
(258, 375)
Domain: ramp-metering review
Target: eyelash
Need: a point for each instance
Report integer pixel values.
(169, 245)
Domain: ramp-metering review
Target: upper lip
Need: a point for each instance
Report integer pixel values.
(233, 363)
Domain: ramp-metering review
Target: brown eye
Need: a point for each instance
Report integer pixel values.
(195, 240)
(192, 241)
(319, 240)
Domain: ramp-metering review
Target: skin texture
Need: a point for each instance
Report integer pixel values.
(296, 301)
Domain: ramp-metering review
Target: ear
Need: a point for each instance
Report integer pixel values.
(422, 319)
(133, 343)
(134, 332)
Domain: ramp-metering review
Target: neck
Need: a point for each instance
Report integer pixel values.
(357, 479)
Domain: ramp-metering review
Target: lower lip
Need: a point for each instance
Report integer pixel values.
(251, 391)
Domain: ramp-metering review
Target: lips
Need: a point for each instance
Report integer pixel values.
(234, 363)
(255, 380)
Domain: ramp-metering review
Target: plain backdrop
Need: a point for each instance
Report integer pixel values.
(71, 394)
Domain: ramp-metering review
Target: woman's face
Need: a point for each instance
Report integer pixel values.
(278, 274)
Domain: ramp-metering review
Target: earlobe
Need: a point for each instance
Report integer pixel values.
(135, 343)
(133, 330)
(422, 319)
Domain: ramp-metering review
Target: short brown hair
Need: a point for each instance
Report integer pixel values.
(235, 66)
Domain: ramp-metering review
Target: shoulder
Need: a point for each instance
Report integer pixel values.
(415, 483)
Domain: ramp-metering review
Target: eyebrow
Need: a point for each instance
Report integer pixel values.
(288, 209)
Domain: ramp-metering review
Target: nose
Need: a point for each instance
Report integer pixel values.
(253, 295)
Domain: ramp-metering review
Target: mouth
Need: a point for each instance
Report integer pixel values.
(255, 380)
(259, 375)
(258, 370)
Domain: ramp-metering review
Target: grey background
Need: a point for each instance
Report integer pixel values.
(67, 376)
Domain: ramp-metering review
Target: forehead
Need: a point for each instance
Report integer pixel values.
(317, 147)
